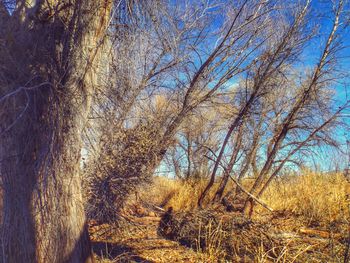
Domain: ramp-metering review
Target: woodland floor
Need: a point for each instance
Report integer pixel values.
(138, 241)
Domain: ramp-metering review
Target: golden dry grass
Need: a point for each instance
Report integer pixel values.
(318, 197)
(180, 195)
(311, 199)
(167, 192)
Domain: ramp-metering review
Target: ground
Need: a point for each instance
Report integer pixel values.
(310, 223)
(139, 243)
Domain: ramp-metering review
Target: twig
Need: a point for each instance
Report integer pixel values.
(158, 208)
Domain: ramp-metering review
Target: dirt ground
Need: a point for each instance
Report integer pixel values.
(139, 243)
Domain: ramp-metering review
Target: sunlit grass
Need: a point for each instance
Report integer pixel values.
(318, 197)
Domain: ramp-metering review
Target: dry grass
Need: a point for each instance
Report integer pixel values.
(167, 192)
(319, 198)
(314, 200)
(138, 242)
(181, 196)
(233, 238)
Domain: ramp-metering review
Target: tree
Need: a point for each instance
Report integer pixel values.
(173, 50)
(278, 51)
(51, 53)
(196, 139)
(285, 111)
(308, 120)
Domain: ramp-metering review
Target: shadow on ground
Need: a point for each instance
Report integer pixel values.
(117, 252)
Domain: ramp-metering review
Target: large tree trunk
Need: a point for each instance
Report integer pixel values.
(44, 218)
(52, 53)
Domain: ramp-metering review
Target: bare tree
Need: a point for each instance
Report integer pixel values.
(308, 120)
(294, 116)
(173, 51)
(279, 51)
(286, 113)
(198, 137)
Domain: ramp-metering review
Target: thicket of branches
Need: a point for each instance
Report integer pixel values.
(218, 90)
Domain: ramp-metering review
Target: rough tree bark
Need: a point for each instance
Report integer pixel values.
(51, 53)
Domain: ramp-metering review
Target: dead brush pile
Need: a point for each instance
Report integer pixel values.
(225, 236)
(235, 238)
(310, 222)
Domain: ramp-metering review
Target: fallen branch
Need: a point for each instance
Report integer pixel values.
(319, 233)
(250, 195)
(244, 190)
